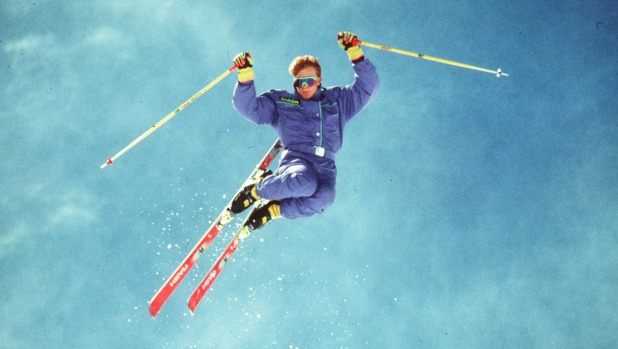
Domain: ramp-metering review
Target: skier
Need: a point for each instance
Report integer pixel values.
(310, 123)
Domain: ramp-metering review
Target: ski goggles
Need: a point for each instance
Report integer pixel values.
(307, 81)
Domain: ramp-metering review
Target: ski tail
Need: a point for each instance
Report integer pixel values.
(216, 269)
(162, 295)
(159, 299)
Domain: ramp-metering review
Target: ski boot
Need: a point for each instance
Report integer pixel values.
(271, 210)
(247, 196)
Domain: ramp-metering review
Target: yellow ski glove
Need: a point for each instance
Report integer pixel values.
(349, 42)
(244, 63)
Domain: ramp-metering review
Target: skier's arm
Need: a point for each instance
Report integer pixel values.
(260, 110)
(356, 96)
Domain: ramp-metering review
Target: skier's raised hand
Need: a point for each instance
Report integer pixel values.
(244, 63)
(349, 42)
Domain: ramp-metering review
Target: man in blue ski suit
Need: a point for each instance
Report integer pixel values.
(310, 123)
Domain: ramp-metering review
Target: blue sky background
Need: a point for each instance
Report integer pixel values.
(471, 212)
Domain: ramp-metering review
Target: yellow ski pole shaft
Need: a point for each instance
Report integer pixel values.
(154, 127)
(498, 72)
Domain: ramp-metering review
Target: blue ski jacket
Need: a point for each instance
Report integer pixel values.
(313, 126)
(311, 131)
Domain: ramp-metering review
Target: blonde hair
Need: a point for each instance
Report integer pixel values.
(302, 62)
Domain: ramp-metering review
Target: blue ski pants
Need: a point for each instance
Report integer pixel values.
(304, 183)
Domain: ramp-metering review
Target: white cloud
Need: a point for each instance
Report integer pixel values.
(112, 40)
(73, 213)
(13, 237)
(44, 210)
(74, 208)
(30, 43)
(104, 36)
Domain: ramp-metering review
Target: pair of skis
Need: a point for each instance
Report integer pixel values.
(224, 217)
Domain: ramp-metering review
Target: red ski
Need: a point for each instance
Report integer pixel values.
(225, 217)
(216, 269)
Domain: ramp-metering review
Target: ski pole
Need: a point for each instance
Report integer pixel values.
(154, 127)
(498, 72)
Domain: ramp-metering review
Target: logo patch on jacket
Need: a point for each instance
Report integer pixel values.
(290, 100)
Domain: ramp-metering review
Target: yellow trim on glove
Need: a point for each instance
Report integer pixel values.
(246, 74)
(354, 53)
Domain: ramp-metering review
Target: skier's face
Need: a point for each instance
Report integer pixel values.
(306, 92)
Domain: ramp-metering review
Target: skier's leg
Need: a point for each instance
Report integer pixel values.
(263, 215)
(294, 179)
(323, 197)
(246, 196)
